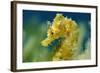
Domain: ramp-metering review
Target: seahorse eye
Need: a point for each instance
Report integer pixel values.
(52, 33)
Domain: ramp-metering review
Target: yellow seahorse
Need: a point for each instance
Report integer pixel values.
(66, 28)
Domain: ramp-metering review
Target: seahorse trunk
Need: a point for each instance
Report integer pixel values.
(67, 49)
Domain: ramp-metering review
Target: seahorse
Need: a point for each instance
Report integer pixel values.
(67, 32)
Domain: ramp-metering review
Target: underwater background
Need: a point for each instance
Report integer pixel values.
(35, 25)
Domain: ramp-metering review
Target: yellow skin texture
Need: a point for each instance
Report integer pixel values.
(66, 28)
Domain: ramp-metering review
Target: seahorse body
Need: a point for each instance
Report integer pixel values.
(66, 29)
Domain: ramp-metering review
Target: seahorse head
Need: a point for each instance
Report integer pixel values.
(55, 30)
(60, 27)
